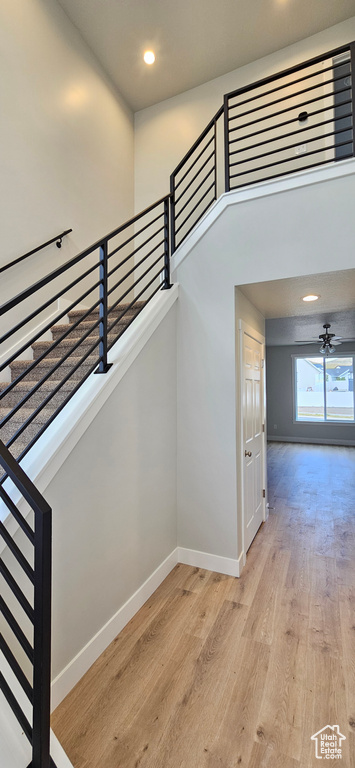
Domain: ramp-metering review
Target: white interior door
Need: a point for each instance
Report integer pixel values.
(252, 402)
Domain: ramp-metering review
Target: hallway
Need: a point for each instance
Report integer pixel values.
(217, 672)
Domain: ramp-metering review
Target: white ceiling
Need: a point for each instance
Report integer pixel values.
(288, 318)
(194, 40)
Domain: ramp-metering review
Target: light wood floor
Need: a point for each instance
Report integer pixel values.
(217, 672)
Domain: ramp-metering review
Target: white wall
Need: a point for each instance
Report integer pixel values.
(166, 131)
(274, 231)
(67, 143)
(66, 134)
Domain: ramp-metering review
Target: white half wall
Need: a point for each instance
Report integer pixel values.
(300, 225)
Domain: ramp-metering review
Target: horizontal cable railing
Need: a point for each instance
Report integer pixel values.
(193, 184)
(101, 291)
(292, 121)
(57, 240)
(25, 639)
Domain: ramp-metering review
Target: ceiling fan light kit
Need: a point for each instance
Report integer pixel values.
(329, 341)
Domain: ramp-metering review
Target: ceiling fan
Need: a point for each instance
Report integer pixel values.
(328, 341)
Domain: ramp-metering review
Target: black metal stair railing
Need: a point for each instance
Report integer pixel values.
(107, 285)
(298, 119)
(193, 183)
(36, 649)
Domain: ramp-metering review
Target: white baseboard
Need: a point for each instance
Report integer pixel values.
(226, 565)
(76, 668)
(315, 440)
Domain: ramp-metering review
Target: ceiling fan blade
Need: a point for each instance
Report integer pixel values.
(316, 341)
(336, 343)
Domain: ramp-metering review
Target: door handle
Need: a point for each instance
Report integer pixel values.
(248, 453)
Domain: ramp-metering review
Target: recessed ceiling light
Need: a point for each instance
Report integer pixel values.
(149, 57)
(311, 297)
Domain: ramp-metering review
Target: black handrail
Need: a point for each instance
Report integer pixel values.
(57, 239)
(37, 691)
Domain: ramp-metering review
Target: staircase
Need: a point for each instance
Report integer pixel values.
(47, 391)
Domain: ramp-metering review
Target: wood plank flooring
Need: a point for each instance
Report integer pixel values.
(217, 672)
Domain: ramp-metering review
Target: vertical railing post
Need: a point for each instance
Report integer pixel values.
(42, 638)
(103, 364)
(167, 283)
(226, 146)
(215, 157)
(352, 70)
(172, 214)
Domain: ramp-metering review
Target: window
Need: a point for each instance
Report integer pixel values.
(324, 389)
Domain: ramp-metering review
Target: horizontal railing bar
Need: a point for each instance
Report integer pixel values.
(139, 248)
(135, 299)
(56, 389)
(289, 109)
(282, 125)
(211, 140)
(47, 328)
(17, 515)
(23, 483)
(292, 146)
(135, 266)
(289, 96)
(50, 301)
(60, 408)
(35, 362)
(198, 219)
(13, 663)
(290, 159)
(22, 719)
(44, 281)
(136, 234)
(202, 135)
(16, 591)
(287, 85)
(194, 208)
(289, 134)
(136, 218)
(283, 173)
(76, 259)
(136, 315)
(212, 170)
(16, 629)
(138, 281)
(289, 71)
(34, 250)
(16, 551)
(177, 199)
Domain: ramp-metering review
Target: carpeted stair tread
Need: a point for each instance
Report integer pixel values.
(80, 330)
(45, 366)
(39, 347)
(20, 390)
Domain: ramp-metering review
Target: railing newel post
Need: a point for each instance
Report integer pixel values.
(352, 70)
(42, 639)
(172, 215)
(226, 145)
(104, 366)
(167, 283)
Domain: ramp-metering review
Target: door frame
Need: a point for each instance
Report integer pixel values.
(243, 327)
